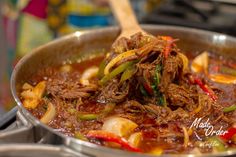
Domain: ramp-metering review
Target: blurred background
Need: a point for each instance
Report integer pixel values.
(26, 24)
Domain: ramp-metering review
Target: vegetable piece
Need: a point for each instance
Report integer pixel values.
(206, 89)
(162, 100)
(39, 89)
(157, 76)
(88, 74)
(184, 60)
(201, 102)
(200, 63)
(117, 59)
(101, 69)
(230, 133)
(32, 95)
(217, 144)
(28, 94)
(110, 137)
(197, 109)
(195, 151)
(146, 49)
(156, 151)
(223, 78)
(119, 126)
(84, 116)
(115, 72)
(66, 68)
(80, 136)
(169, 42)
(92, 116)
(228, 70)
(135, 139)
(108, 108)
(148, 87)
(30, 103)
(49, 115)
(27, 86)
(128, 73)
(186, 137)
(230, 108)
(234, 139)
(146, 82)
(142, 90)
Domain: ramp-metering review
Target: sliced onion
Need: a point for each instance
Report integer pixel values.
(28, 94)
(186, 136)
(32, 95)
(120, 126)
(49, 115)
(117, 59)
(66, 68)
(223, 78)
(39, 89)
(27, 86)
(185, 61)
(88, 74)
(135, 139)
(156, 151)
(195, 151)
(30, 103)
(200, 63)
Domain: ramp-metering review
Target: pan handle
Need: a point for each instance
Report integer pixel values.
(8, 118)
(20, 131)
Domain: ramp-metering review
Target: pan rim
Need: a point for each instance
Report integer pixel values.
(88, 144)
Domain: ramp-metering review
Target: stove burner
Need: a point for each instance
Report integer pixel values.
(209, 15)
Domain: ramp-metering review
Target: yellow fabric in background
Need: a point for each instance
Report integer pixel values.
(86, 7)
(33, 32)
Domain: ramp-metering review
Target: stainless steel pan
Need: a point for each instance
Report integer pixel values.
(87, 43)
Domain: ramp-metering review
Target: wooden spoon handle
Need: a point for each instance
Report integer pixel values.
(125, 15)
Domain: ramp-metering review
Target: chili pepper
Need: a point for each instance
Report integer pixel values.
(157, 75)
(142, 90)
(217, 143)
(80, 136)
(101, 69)
(148, 88)
(230, 108)
(169, 42)
(118, 58)
(229, 134)
(110, 137)
(115, 72)
(146, 83)
(128, 73)
(87, 116)
(223, 78)
(205, 88)
(162, 100)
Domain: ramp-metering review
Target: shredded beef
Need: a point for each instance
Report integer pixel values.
(67, 88)
(178, 95)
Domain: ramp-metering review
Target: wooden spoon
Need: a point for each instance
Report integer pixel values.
(126, 18)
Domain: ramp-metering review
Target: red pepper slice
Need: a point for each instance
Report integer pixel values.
(110, 137)
(148, 88)
(168, 46)
(205, 88)
(230, 133)
(146, 83)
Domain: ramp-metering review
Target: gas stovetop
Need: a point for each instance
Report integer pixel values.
(213, 15)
